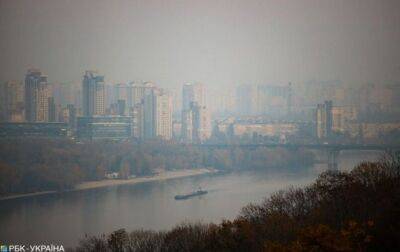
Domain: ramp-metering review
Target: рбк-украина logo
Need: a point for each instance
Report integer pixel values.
(3, 248)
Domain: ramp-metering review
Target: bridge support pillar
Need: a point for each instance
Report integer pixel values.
(333, 156)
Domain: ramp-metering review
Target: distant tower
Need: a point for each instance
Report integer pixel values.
(12, 101)
(124, 92)
(37, 92)
(52, 109)
(193, 93)
(157, 114)
(289, 100)
(71, 116)
(201, 124)
(138, 91)
(93, 91)
(163, 115)
(196, 122)
(324, 120)
(141, 103)
(137, 121)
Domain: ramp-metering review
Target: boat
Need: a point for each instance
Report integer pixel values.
(193, 194)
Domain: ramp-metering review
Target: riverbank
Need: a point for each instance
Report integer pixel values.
(114, 182)
(158, 177)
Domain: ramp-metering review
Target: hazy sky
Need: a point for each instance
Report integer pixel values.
(215, 42)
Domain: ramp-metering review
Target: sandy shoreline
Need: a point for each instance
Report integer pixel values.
(158, 177)
(113, 182)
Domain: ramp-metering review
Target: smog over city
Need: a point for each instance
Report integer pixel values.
(231, 125)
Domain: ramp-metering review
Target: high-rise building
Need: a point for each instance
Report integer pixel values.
(12, 101)
(196, 123)
(187, 126)
(52, 109)
(342, 116)
(324, 120)
(78, 100)
(68, 115)
(137, 121)
(193, 93)
(71, 116)
(109, 94)
(122, 92)
(289, 98)
(157, 114)
(132, 93)
(138, 91)
(63, 115)
(93, 92)
(37, 92)
(141, 101)
(163, 115)
(149, 114)
(66, 93)
(201, 124)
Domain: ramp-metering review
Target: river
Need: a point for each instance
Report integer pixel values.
(64, 218)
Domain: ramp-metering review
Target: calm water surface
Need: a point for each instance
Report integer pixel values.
(66, 217)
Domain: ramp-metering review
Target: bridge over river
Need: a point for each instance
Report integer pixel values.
(331, 151)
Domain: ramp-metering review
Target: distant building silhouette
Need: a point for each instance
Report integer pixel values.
(157, 114)
(12, 101)
(196, 122)
(93, 92)
(104, 127)
(324, 120)
(52, 110)
(37, 93)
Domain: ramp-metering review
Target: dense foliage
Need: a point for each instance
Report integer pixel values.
(340, 211)
(31, 165)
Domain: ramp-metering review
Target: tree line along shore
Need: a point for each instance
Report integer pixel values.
(41, 165)
(166, 175)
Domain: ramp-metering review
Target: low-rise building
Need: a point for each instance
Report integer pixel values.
(33, 129)
(104, 127)
(266, 129)
(272, 129)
